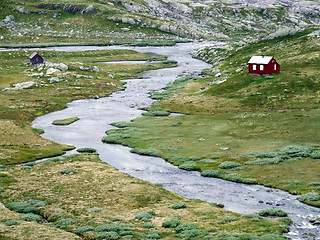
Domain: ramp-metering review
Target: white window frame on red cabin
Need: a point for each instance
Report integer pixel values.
(261, 67)
(254, 67)
(275, 67)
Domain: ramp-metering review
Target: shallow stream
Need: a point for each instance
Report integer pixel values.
(96, 115)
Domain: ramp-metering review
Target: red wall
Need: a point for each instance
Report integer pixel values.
(268, 68)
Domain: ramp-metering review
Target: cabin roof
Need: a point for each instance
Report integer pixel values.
(260, 59)
(33, 55)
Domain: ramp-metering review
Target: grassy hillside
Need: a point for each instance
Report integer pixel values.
(251, 129)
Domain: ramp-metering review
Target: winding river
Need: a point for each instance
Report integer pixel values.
(96, 115)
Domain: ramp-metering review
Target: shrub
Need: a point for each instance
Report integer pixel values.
(86, 150)
(229, 165)
(67, 171)
(264, 161)
(84, 229)
(154, 235)
(38, 203)
(146, 217)
(13, 222)
(193, 233)
(212, 173)
(110, 227)
(114, 138)
(214, 157)
(169, 62)
(311, 196)
(63, 223)
(148, 225)
(229, 219)
(66, 121)
(285, 220)
(94, 209)
(207, 161)
(262, 154)
(21, 207)
(116, 219)
(315, 154)
(108, 236)
(171, 223)
(179, 205)
(252, 216)
(273, 212)
(29, 164)
(31, 217)
(296, 151)
(147, 152)
(189, 166)
(185, 226)
(54, 216)
(156, 113)
(120, 124)
(314, 184)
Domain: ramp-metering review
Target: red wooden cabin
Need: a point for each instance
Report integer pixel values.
(263, 65)
(35, 59)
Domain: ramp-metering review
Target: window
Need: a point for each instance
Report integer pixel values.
(261, 67)
(254, 67)
(275, 67)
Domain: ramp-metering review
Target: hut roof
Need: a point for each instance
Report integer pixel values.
(260, 59)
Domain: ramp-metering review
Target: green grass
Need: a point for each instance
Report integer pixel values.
(66, 121)
(265, 138)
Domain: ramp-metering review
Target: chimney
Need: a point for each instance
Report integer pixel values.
(262, 56)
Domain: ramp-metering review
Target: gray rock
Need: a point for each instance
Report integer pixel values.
(88, 9)
(95, 69)
(59, 66)
(19, 86)
(22, 10)
(52, 71)
(54, 80)
(9, 19)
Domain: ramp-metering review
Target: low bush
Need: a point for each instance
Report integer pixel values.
(115, 138)
(273, 212)
(110, 227)
(208, 161)
(21, 207)
(29, 164)
(185, 226)
(94, 209)
(193, 233)
(31, 217)
(314, 184)
(252, 216)
(214, 157)
(147, 152)
(315, 154)
(108, 236)
(66, 121)
(229, 165)
(156, 113)
(146, 217)
(63, 223)
(148, 225)
(230, 219)
(116, 219)
(86, 150)
(13, 222)
(212, 173)
(285, 220)
(179, 205)
(154, 235)
(173, 223)
(264, 161)
(84, 229)
(120, 124)
(262, 154)
(38, 203)
(54, 216)
(67, 171)
(169, 62)
(311, 196)
(296, 151)
(189, 166)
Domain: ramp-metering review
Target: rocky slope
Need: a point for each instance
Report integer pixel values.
(156, 19)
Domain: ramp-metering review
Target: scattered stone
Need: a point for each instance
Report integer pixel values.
(96, 97)
(50, 71)
(54, 80)
(88, 9)
(218, 75)
(59, 66)
(95, 69)
(19, 86)
(22, 10)
(9, 19)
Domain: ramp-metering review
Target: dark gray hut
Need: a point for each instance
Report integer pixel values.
(35, 59)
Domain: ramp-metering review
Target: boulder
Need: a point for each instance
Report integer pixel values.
(22, 10)
(59, 66)
(9, 19)
(24, 85)
(88, 9)
(54, 80)
(95, 69)
(52, 70)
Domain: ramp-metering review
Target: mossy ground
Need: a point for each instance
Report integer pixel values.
(19, 142)
(117, 197)
(246, 113)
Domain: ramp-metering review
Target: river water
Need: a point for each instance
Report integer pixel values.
(96, 115)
